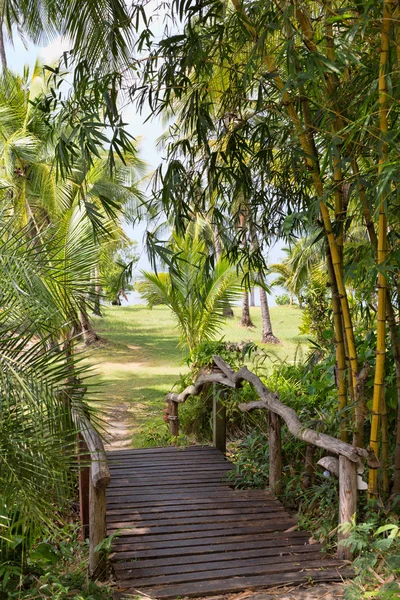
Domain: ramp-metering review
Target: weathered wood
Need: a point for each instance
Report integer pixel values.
(97, 531)
(347, 500)
(219, 420)
(271, 525)
(160, 512)
(197, 387)
(98, 482)
(205, 548)
(99, 473)
(225, 585)
(206, 536)
(275, 454)
(199, 536)
(309, 466)
(84, 483)
(268, 566)
(173, 418)
(203, 562)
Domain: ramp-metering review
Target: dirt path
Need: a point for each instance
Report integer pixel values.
(135, 365)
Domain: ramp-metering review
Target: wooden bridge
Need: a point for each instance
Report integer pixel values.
(182, 530)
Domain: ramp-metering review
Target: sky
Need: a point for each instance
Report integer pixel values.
(146, 131)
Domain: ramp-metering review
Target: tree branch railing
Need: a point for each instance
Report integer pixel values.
(351, 458)
(94, 477)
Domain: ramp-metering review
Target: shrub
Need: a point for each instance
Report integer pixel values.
(282, 299)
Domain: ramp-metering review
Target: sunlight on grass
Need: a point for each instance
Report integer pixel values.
(141, 359)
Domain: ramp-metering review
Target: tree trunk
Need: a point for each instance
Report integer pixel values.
(246, 319)
(97, 293)
(89, 335)
(378, 399)
(3, 55)
(267, 337)
(227, 312)
(252, 296)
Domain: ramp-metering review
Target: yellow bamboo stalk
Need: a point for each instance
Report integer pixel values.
(319, 188)
(340, 348)
(385, 445)
(392, 325)
(382, 248)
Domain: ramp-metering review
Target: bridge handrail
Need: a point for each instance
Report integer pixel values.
(350, 457)
(94, 477)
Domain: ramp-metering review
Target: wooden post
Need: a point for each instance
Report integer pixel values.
(84, 476)
(219, 421)
(275, 454)
(97, 531)
(347, 500)
(173, 418)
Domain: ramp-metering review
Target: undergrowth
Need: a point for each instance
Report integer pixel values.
(55, 568)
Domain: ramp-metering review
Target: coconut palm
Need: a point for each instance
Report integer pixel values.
(42, 283)
(99, 32)
(196, 292)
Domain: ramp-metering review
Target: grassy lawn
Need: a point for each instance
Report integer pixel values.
(141, 360)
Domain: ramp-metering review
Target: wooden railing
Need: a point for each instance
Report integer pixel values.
(94, 477)
(350, 458)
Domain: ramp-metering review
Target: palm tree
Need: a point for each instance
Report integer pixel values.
(38, 198)
(196, 293)
(42, 283)
(99, 32)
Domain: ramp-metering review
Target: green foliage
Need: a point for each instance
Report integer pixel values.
(114, 274)
(151, 293)
(377, 565)
(55, 569)
(317, 314)
(196, 292)
(282, 299)
(201, 357)
(251, 458)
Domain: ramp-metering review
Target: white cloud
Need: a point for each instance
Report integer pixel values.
(53, 52)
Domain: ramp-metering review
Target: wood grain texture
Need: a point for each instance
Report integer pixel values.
(184, 532)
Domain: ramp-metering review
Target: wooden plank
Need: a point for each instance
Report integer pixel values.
(204, 562)
(194, 495)
(283, 564)
(164, 450)
(205, 547)
(129, 542)
(222, 586)
(270, 525)
(202, 487)
(173, 463)
(194, 519)
(229, 535)
(184, 531)
(159, 513)
(172, 468)
(195, 479)
(202, 537)
(187, 499)
(162, 507)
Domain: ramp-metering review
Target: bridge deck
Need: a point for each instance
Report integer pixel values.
(185, 532)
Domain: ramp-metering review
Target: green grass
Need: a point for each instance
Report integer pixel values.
(141, 359)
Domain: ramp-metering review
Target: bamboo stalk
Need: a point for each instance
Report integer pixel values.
(382, 248)
(313, 166)
(340, 348)
(385, 445)
(392, 325)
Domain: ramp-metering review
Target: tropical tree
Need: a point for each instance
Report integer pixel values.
(295, 87)
(42, 283)
(196, 292)
(114, 273)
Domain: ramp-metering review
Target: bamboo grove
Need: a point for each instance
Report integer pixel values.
(292, 107)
